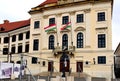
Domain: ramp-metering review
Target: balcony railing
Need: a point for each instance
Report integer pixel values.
(58, 51)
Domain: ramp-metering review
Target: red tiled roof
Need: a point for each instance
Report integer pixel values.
(9, 26)
(48, 2)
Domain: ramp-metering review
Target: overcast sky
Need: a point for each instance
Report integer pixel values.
(15, 10)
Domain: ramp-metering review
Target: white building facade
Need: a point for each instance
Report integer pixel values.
(83, 26)
(14, 40)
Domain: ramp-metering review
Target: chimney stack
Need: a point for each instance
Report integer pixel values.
(6, 21)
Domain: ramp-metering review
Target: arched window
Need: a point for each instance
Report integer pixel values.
(65, 41)
(51, 42)
(80, 40)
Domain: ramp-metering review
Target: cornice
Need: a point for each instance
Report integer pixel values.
(54, 6)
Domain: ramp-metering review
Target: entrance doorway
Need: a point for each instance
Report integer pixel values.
(79, 67)
(50, 66)
(64, 63)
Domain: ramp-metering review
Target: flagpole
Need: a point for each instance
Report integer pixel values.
(57, 34)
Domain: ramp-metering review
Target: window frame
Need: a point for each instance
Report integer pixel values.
(5, 51)
(6, 40)
(34, 60)
(36, 24)
(27, 48)
(101, 59)
(65, 19)
(20, 36)
(51, 42)
(13, 49)
(20, 49)
(80, 40)
(101, 16)
(51, 21)
(13, 38)
(0, 40)
(35, 44)
(27, 34)
(101, 40)
(65, 41)
(79, 18)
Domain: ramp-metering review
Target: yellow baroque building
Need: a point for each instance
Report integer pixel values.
(72, 35)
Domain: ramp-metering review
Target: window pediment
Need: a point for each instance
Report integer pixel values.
(80, 29)
(102, 28)
(65, 30)
(51, 32)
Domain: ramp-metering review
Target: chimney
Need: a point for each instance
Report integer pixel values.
(6, 21)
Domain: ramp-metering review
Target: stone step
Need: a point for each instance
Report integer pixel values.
(75, 74)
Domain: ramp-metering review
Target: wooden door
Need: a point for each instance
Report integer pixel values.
(62, 66)
(79, 67)
(50, 66)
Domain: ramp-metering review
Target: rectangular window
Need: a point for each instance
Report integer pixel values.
(65, 19)
(0, 40)
(13, 38)
(101, 59)
(13, 50)
(101, 16)
(101, 41)
(20, 36)
(80, 18)
(36, 24)
(6, 40)
(34, 60)
(51, 21)
(5, 51)
(27, 48)
(28, 35)
(43, 63)
(20, 49)
(35, 44)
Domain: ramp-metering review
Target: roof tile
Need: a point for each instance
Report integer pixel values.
(9, 26)
(48, 2)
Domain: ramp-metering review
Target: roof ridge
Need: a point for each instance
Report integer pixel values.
(16, 21)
